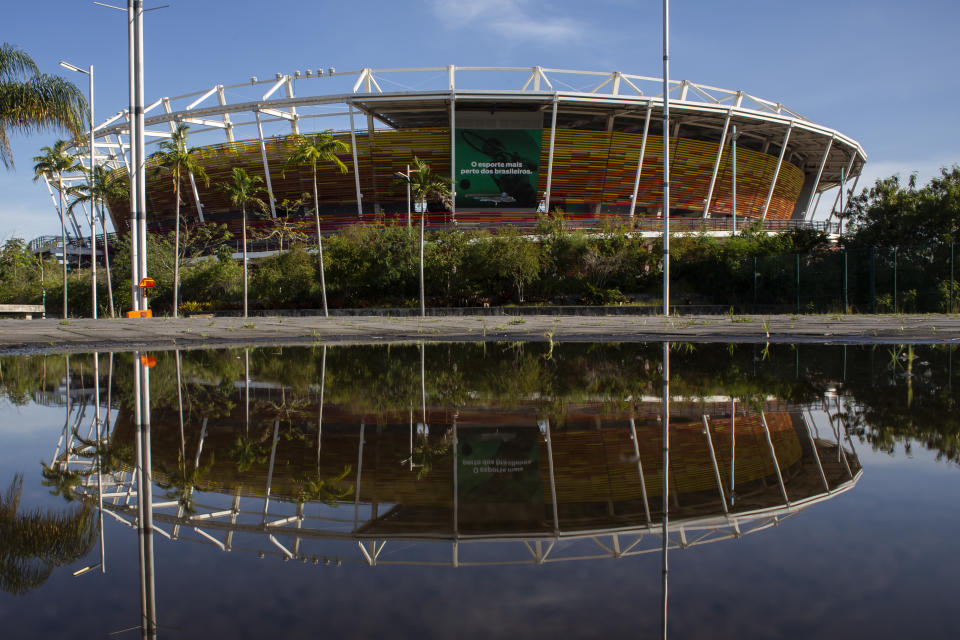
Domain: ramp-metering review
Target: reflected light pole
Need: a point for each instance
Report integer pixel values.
(93, 218)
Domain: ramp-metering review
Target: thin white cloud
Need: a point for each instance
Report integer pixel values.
(509, 18)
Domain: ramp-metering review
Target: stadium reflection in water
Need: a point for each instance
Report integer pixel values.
(455, 480)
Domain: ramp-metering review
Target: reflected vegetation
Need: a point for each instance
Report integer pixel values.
(35, 542)
(468, 454)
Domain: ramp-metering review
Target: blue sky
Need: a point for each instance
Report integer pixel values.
(882, 72)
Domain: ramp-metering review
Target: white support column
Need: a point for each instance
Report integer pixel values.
(294, 120)
(643, 148)
(228, 125)
(733, 450)
(816, 205)
(193, 181)
(356, 170)
(713, 461)
(553, 134)
(816, 454)
(356, 491)
(453, 150)
(123, 152)
(733, 185)
(597, 208)
(773, 456)
(196, 197)
(643, 483)
(844, 176)
(716, 164)
(553, 482)
(266, 166)
(56, 208)
(373, 169)
(776, 172)
(807, 212)
(851, 192)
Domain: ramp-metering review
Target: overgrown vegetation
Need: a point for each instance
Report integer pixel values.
(374, 265)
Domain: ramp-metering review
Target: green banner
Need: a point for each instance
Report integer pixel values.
(498, 168)
(499, 466)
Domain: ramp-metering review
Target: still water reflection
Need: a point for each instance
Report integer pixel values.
(412, 458)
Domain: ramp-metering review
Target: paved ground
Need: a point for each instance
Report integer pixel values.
(79, 335)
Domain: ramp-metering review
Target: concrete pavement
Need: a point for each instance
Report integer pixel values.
(83, 335)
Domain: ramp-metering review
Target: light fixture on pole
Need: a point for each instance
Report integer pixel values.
(93, 217)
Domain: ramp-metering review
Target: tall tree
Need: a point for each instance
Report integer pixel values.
(102, 187)
(243, 192)
(311, 150)
(174, 158)
(53, 163)
(31, 101)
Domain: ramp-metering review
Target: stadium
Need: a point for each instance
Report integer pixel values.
(513, 141)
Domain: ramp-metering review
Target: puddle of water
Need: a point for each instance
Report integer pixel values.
(477, 489)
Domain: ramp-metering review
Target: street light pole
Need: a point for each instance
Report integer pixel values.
(140, 156)
(666, 157)
(406, 178)
(93, 213)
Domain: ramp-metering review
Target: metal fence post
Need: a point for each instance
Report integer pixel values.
(950, 307)
(846, 302)
(797, 271)
(895, 279)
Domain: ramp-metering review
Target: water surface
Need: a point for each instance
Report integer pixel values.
(471, 490)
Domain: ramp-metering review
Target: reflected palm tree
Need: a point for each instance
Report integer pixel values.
(248, 451)
(62, 480)
(317, 488)
(184, 482)
(425, 453)
(33, 544)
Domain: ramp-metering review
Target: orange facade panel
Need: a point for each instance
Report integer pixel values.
(592, 171)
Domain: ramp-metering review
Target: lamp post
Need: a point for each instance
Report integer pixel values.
(666, 157)
(93, 217)
(406, 178)
(138, 190)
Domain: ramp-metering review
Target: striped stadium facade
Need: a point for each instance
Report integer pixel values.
(600, 147)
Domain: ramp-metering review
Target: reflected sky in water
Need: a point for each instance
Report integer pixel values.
(478, 490)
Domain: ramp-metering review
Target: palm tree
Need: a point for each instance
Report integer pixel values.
(31, 101)
(52, 163)
(242, 192)
(424, 184)
(103, 187)
(322, 147)
(174, 157)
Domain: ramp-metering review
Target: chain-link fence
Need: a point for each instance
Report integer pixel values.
(862, 280)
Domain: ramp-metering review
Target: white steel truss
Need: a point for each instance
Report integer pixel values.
(304, 97)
